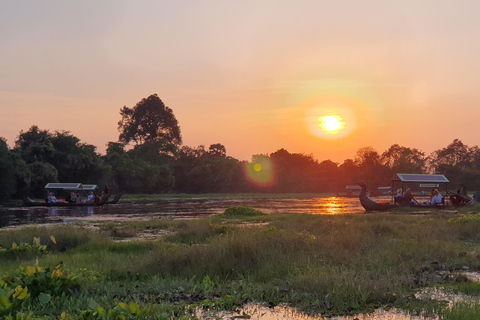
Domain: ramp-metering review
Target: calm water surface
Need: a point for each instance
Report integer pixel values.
(177, 208)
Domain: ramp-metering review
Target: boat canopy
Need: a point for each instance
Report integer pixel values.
(71, 186)
(353, 187)
(384, 188)
(420, 178)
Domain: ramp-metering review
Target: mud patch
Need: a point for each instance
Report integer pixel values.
(257, 312)
(147, 235)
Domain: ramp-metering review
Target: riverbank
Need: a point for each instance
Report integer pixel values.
(327, 265)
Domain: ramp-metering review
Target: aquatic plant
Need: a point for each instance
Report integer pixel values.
(25, 249)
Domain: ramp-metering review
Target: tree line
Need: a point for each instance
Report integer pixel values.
(149, 158)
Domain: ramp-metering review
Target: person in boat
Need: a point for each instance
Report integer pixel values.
(436, 199)
(399, 197)
(90, 197)
(51, 198)
(408, 198)
(73, 198)
(96, 199)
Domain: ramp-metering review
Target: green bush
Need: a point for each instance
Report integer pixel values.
(242, 212)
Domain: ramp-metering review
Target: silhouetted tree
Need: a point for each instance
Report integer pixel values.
(371, 169)
(296, 172)
(349, 173)
(155, 151)
(35, 145)
(149, 120)
(76, 161)
(59, 157)
(40, 174)
(200, 171)
(12, 171)
(455, 154)
(458, 162)
(404, 160)
(329, 175)
(132, 173)
(217, 150)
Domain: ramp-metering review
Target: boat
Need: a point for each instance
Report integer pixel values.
(116, 198)
(352, 192)
(62, 189)
(32, 203)
(461, 198)
(371, 205)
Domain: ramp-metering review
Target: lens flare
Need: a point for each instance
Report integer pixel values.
(260, 172)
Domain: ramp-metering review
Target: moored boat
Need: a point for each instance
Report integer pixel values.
(73, 193)
(371, 205)
(352, 192)
(32, 203)
(116, 198)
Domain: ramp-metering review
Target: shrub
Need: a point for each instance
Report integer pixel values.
(242, 212)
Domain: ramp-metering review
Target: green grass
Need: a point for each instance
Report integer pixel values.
(322, 264)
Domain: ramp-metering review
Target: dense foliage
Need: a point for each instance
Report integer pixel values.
(158, 163)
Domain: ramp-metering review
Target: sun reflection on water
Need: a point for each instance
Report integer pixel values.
(333, 205)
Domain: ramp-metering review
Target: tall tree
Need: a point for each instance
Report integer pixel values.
(35, 145)
(75, 161)
(370, 167)
(149, 120)
(455, 154)
(404, 160)
(8, 183)
(296, 172)
(133, 172)
(217, 150)
(458, 162)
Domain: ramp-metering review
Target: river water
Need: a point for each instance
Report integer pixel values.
(178, 208)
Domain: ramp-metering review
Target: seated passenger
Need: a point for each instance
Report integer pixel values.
(408, 197)
(51, 198)
(90, 197)
(73, 198)
(437, 198)
(399, 196)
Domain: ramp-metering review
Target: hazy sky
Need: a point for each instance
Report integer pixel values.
(255, 76)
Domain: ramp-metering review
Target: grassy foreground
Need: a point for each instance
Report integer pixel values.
(320, 264)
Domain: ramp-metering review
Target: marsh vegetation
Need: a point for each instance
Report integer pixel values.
(329, 265)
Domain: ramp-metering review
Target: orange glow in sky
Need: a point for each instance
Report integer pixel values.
(255, 76)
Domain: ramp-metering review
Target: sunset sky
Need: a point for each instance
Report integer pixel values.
(253, 75)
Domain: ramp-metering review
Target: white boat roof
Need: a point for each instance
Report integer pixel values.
(71, 186)
(419, 178)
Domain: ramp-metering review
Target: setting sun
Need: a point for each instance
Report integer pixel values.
(330, 123)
